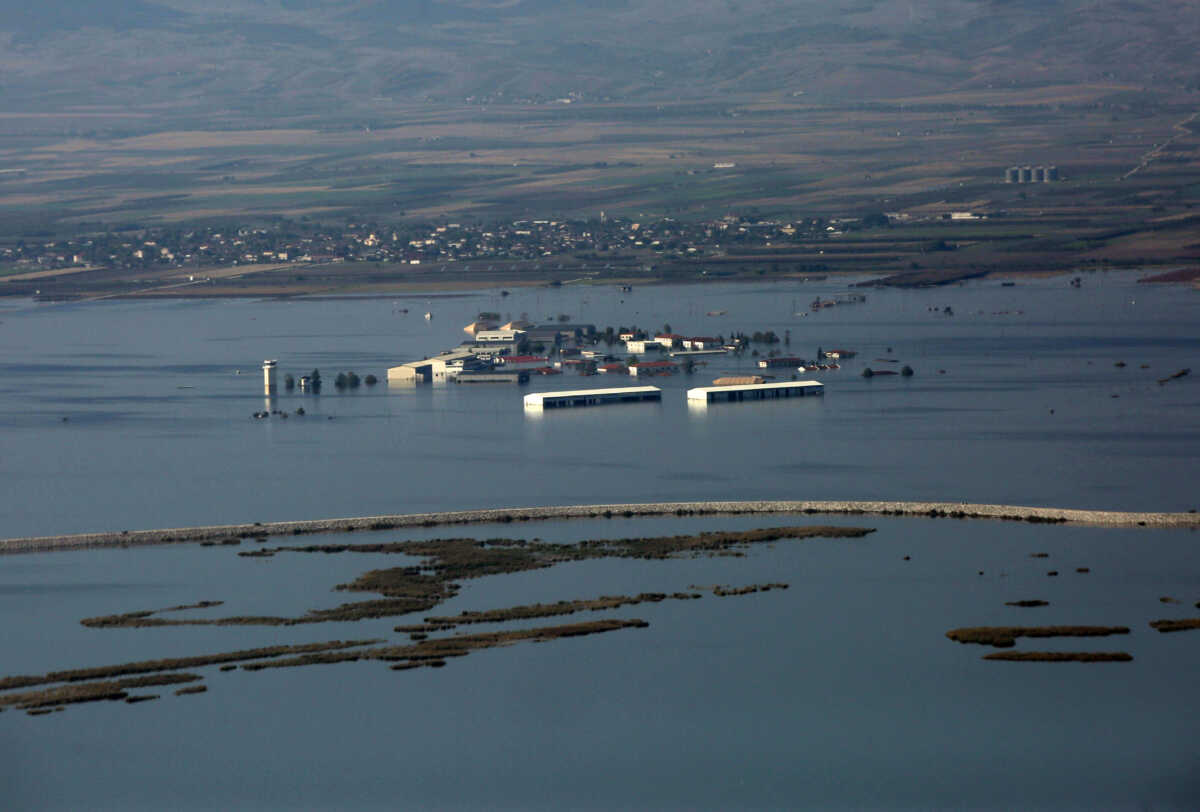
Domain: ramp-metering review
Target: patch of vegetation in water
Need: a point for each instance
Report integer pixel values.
(435, 652)
(1175, 625)
(435, 577)
(1006, 636)
(170, 664)
(444, 562)
(1061, 656)
(539, 610)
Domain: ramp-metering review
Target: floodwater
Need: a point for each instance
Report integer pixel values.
(841, 691)
(159, 432)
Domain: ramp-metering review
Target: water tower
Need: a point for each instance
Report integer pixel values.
(269, 388)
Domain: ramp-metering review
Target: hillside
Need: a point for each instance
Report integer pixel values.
(118, 115)
(331, 58)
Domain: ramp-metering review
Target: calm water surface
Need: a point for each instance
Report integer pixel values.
(840, 692)
(1030, 408)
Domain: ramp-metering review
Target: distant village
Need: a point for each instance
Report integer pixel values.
(300, 243)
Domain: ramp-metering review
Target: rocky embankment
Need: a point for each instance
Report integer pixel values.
(953, 510)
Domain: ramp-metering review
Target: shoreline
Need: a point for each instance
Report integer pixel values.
(455, 286)
(461, 286)
(950, 510)
(458, 285)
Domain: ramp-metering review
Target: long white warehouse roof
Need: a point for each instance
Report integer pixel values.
(617, 393)
(703, 392)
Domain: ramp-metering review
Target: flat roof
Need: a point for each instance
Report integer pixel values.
(701, 392)
(449, 355)
(614, 392)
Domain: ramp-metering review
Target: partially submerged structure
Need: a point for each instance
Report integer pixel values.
(438, 367)
(755, 391)
(592, 397)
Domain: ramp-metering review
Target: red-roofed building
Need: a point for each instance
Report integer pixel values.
(654, 368)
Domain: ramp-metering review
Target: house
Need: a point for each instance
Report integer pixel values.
(544, 335)
(701, 343)
(781, 361)
(562, 330)
(498, 336)
(669, 340)
(653, 368)
(640, 346)
(519, 360)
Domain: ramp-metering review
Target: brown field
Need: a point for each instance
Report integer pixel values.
(28, 277)
(920, 157)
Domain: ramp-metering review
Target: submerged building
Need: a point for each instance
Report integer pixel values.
(592, 397)
(755, 391)
(435, 368)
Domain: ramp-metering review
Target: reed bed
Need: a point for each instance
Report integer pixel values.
(1006, 636)
(1061, 656)
(444, 563)
(1182, 625)
(171, 664)
(728, 591)
(434, 653)
(540, 610)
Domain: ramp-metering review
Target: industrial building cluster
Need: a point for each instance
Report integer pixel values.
(501, 354)
(496, 354)
(1031, 174)
(506, 353)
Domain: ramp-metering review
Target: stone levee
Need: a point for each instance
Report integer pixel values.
(956, 510)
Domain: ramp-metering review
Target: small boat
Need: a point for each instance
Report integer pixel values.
(428, 316)
(715, 313)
